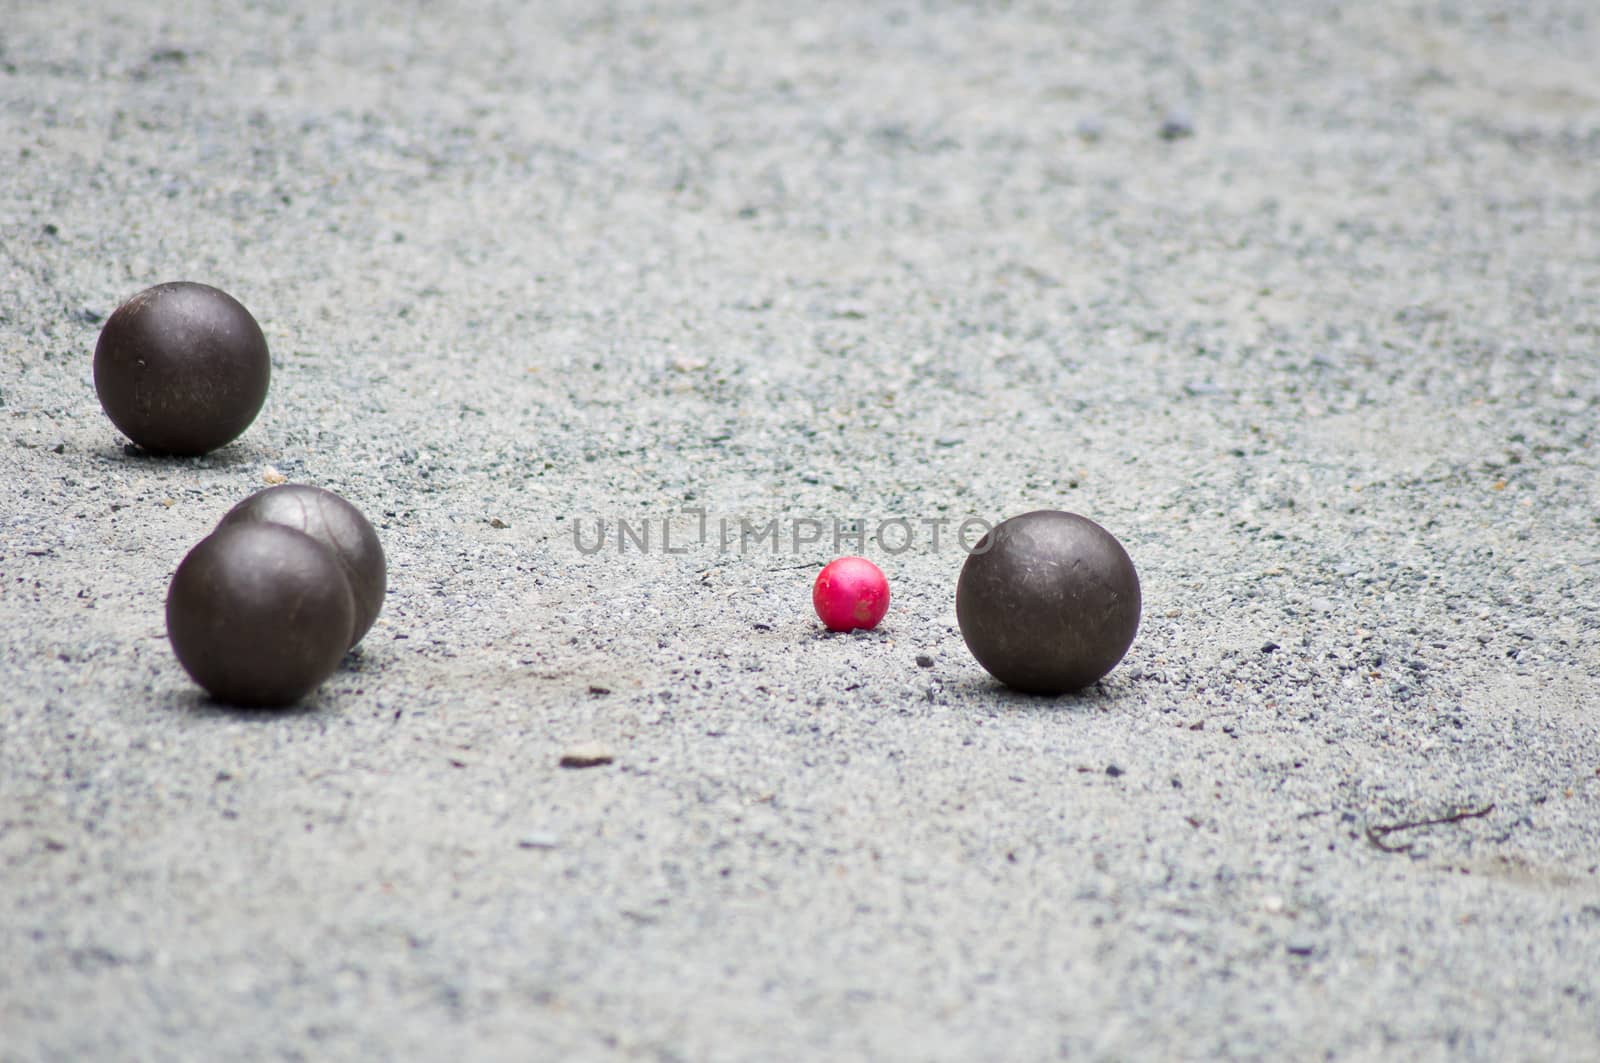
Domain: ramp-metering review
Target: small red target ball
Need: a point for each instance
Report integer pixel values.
(851, 593)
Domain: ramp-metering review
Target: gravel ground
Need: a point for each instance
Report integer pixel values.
(1301, 301)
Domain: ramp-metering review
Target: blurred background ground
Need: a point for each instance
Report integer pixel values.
(1301, 301)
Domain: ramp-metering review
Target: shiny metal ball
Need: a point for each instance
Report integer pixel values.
(1048, 602)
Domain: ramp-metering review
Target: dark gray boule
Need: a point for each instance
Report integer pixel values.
(181, 368)
(259, 614)
(1048, 602)
(336, 524)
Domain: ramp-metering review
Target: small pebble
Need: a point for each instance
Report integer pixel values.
(1113, 771)
(590, 755)
(538, 840)
(273, 476)
(1177, 125)
(924, 661)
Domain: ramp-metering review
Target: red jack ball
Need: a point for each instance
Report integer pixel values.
(851, 593)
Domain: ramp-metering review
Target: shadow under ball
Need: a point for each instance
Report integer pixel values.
(181, 368)
(259, 614)
(336, 524)
(1048, 602)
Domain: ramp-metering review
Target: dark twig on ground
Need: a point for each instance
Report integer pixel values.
(1375, 835)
